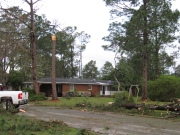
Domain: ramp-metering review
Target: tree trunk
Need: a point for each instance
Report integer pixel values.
(33, 49)
(157, 58)
(72, 66)
(54, 92)
(145, 54)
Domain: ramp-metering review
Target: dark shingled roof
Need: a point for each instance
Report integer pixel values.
(74, 81)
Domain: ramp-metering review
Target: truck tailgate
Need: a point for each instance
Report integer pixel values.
(25, 95)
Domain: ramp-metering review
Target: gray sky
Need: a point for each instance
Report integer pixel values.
(91, 16)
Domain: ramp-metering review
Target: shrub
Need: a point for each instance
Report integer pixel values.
(164, 88)
(38, 97)
(16, 79)
(33, 96)
(83, 103)
(122, 98)
(30, 91)
(76, 94)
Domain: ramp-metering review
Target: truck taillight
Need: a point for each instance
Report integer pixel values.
(20, 96)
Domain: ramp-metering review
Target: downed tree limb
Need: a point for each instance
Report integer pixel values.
(169, 107)
(21, 110)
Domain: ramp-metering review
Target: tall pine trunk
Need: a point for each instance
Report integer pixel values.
(145, 53)
(54, 91)
(33, 49)
(72, 65)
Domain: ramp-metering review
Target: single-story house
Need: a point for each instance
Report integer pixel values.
(86, 86)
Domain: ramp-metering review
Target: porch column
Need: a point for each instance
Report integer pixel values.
(38, 87)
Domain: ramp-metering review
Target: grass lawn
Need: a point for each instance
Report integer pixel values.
(72, 101)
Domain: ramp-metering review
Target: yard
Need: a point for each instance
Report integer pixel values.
(105, 122)
(104, 104)
(12, 124)
(73, 101)
(23, 124)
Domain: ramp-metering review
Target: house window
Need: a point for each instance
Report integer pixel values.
(108, 88)
(89, 87)
(71, 87)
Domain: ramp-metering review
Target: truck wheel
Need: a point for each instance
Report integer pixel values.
(3, 104)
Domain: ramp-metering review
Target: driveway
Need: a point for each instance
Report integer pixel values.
(116, 124)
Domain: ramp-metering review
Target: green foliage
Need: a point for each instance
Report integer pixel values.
(177, 71)
(83, 103)
(81, 132)
(75, 101)
(30, 91)
(105, 72)
(69, 44)
(101, 104)
(11, 124)
(33, 96)
(157, 22)
(38, 97)
(122, 98)
(16, 79)
(10, 48)
(124, 73)
(164, 88)
(18, 125)
(90, 70)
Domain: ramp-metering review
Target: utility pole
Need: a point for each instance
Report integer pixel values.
(79, 69)
(80, 74)
(54, 92)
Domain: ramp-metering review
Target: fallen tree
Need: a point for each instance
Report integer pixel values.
(174, 106)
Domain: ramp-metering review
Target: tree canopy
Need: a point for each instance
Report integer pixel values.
(142, 31)
(140, 34)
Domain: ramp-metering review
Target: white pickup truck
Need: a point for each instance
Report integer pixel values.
(15, 98)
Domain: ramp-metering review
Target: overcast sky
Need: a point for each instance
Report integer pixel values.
(91, 16)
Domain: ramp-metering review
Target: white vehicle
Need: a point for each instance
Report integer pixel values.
(15, 98)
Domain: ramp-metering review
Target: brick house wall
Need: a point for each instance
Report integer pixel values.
(65, 87)
(82, 87)
(47, 89)
(95, 90)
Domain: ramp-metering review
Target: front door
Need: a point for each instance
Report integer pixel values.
(59, 90)
(103, 90)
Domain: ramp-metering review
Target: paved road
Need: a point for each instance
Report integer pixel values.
(96, 121)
